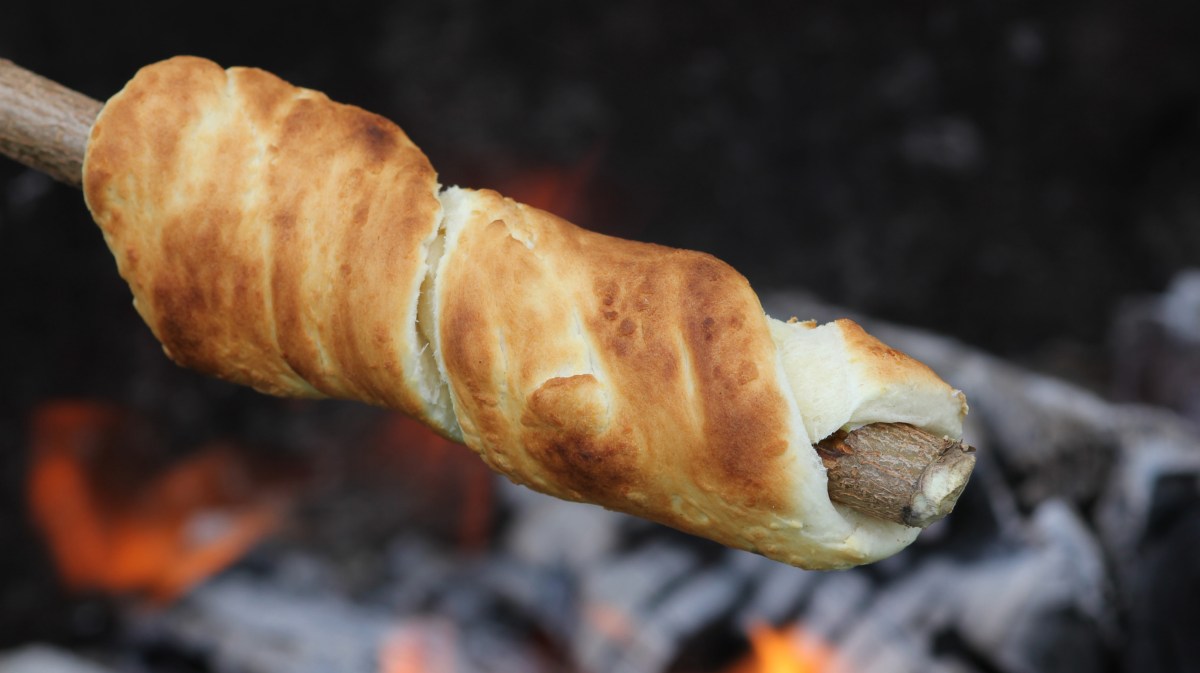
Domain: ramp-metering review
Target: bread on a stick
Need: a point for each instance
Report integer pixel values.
(278, 239)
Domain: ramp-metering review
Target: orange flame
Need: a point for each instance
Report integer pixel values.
(156, 539)
(788, 650)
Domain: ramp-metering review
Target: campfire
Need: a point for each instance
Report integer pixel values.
(399, 552)
(161, 521)
(116, 526)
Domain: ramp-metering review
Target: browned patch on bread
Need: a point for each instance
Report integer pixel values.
(374, 132)
(744, 415)
(568, 403)
(586, 467)
(696, 451)
(565, 431)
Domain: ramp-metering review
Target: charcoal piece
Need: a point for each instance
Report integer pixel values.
(252, 626)
(777, 592)
(1011, 610)
(544, 595)
(1156, 347)
(698, 602)
(836, 604)
(617, 601)
(46, 659)
(1054, 439)
(497, 650)
(1054, 611)
(1165, 615)
(1158, 446)
(691, 607)
(418, 572)
(549, 531)
(1150, 522)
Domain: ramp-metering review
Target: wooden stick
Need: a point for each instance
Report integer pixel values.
(886, 470)
(896, 472)
(43, 124)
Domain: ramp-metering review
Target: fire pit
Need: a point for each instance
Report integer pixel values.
(160, 521)
(399, 552)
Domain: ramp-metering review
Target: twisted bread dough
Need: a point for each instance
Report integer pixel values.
(280, 240)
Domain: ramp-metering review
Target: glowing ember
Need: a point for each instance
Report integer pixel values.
(789, 650)
(556, 190)
(419, 646)
(154, 536)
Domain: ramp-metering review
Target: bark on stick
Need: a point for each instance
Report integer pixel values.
(43, 124)
(896, 472)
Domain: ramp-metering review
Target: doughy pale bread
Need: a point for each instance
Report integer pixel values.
(278, 239)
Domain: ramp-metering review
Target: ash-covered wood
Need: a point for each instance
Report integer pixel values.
(46, 659)
(896, 472)
(43, 124)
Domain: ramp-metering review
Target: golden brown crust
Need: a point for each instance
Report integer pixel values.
(270, 236)
(644, 378)
(886, 364)
(278, 239)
